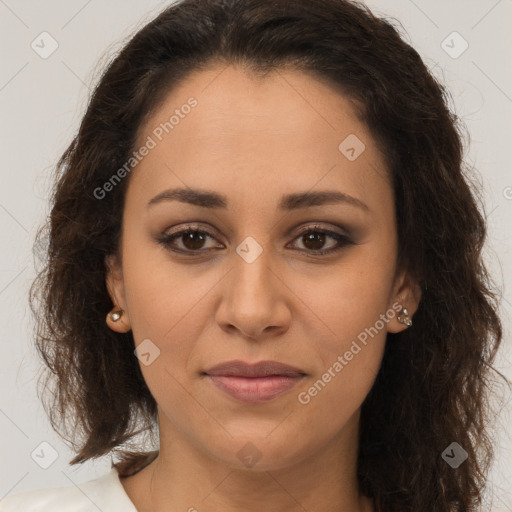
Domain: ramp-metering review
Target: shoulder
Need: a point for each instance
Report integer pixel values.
(103, 493)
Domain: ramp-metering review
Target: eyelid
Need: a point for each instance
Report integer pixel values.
(342, 239)
(166, 237)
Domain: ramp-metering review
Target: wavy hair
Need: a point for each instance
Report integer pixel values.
(435, 377)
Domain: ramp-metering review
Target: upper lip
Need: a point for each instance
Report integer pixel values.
(260, 369)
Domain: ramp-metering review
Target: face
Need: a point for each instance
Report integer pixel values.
(265, 273)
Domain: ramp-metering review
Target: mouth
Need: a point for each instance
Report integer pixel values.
(254, 383)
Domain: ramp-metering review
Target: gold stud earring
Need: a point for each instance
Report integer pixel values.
(404, 317)
(116, 314)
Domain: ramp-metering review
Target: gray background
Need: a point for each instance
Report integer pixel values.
(42, 101)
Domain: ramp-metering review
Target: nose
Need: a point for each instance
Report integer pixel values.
(255, 299)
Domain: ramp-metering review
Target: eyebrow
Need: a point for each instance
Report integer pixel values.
(210, 199)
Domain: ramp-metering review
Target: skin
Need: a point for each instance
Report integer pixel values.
(253, 140)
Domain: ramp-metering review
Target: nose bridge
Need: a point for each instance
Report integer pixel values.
(253, 301)
(251, 274)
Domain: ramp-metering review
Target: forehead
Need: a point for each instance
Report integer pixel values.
(274, 133)
(288, 103)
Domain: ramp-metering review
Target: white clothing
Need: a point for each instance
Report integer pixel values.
(105, 493)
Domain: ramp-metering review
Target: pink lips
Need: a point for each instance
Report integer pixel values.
(254, 383)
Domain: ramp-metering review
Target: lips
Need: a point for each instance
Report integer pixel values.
(261, 369)
(254, 383)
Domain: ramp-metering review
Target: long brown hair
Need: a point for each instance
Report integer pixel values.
(435, 377)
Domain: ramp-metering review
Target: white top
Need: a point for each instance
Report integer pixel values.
(105, 493)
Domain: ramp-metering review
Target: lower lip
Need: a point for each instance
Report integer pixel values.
(254, 389)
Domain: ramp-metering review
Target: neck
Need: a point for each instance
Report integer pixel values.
(184, 478)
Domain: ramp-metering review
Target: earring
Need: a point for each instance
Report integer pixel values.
(116, 314)
(404, 317)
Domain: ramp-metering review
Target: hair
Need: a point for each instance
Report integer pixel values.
(435, 377)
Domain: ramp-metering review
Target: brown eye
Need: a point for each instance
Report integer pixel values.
(188, 240)
(193, 240)
(314, 240)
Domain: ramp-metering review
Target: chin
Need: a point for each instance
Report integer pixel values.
(260, 453)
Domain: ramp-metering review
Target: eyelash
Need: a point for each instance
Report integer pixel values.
(167, 239)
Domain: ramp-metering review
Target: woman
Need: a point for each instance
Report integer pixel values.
(263, 252)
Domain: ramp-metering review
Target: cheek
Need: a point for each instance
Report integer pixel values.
(328, 402)
(168, 305)
(349, 367)
(353, 296)
(348, 344)
(159, 292)
(353, 306)
(171, 310)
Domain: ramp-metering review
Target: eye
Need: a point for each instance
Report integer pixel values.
(192, 240)
(314, 239)
(188, 240)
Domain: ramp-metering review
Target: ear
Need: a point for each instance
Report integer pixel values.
(406, 294)
(115, 286)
